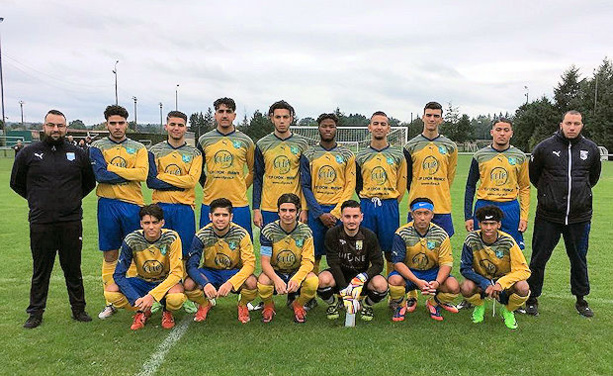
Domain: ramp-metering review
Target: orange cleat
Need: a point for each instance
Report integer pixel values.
(203, 310)
(268, 313)
(168, 321)
(140, 319)
(243, 314)
(299, 313)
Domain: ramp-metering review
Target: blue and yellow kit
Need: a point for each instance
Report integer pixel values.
(120, 167)
(174, 173)
(156, 262)
(503, 177)
(381, 173)
(422, 252)
(233, 250)
(290, 252)
(431, 170)
(225, 159)
(327, 178)
(501, 262)
(277, 170)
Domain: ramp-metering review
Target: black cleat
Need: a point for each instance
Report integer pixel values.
(81, 316)
(583, 309)
(33, 321)
(532, 307)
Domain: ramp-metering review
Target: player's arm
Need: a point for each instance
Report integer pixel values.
(453, 165)
(359, 182)
(305, 182)
(100, 167)
(535, 167)
(348, 188)
(523, 181)
(334, 263)
(267, 268)
(375, 256)
(19, 175)
(409, 161)
(248, 261)
(467, 270)
(203, 172)
(193, 262)
(138, 172)
(307, 261)
(153, 182)
(519, 268)
(175, 274)
(399, 253)
(596, 167)
(250, 159)
(119, 276)
(401, 183)
(445, 261)
(88, 180)
(469, 194)
(188, 181)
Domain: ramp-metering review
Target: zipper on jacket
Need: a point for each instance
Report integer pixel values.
(570, 159)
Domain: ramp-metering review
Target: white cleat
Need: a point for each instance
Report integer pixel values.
(108, 311)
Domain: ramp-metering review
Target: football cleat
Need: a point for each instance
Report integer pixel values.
(140, 319)
(367, 313)
(311, 304)
(243, 314)
(532, 307)
(411, 305)
(189, 307)
(108, 311)
(400, 312)
(268, 312)
(448, 307)
(299, 313)
(168, 321)
(478, 314)
(332, 312)
(464, 304)
(200, 315)
(583, 309)
(33, 321)
(434, 311)
(508, 317)
(156, 307)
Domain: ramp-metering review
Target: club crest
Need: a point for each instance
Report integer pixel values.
(186, 158)
(163, 250)
(442, 150)
(512, 161)
(390, 161)
(430, 245)
(359, 244)
(294, 149)
(339, 159)
(130, 150)
(583, 154)
(499, 253)
(237, 144)
(70, 156)
(232, 245)
(299, 242)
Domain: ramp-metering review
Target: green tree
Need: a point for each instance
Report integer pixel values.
(534, 122)
(567, 94)
(307, 122)
(259, 126)
(76, 124)
(597, 109)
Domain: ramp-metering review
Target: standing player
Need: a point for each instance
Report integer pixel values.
(156, 252)
(353, 255)
(227, 152)
(327, 173)
(502, 170)
(422, 258)
(287, 257)
(494, 267)
(432, 160)
(277, 166)
(381, 173)
(120, 165)
(221, 260)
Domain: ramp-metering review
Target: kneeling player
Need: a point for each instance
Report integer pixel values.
(157, 255)
(353, 255)
(287, 259)
(494, 267)
(221, 260)
(422, 259)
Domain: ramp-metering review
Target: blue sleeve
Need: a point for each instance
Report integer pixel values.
(123, 264)
(264, 241)
(258, 178)
(409, 159)
(203, 174)
(99, 166)
(399, 249)
(471, 187)
(466, 268)
(193, 262)
(266, 251)
(359, 183)
(153, 182)
(305, 181)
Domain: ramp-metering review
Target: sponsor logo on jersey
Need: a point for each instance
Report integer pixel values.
(223, 159)
(420, 260)
(119, 162)
(173, 169)
(583, 154)
(378, 175)
(556, 152)
(326, 174)
(153, 267)
(430, 165)
(130, 150)
(286, 260)
(70, 156)
(186, 158)
(223, 261)
(39, 155)
(489, 267)
(281, 164)
(499, 176)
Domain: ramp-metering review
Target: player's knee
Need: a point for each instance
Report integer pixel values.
(111, 256)
(451, 286)
(325, 279)
(111, 287)
(251, 283)
(522, 288)
(178, 288)
(174, 301)
(264, 280)
(310, 284)
(468, 288)
(189, 284)
(378, 283)
(396, 280)
(116, 298)
(377, 296)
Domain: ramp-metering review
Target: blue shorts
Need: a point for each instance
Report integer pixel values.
(510, 221)
(442, 220)
(218, 277)
(182, 219)
(427, 275)
(116, 219)
(383, 218)
(269, 217)
(240, 215)
(319, 230)
(141, 286)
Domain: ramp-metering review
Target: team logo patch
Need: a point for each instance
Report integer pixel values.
(299, 242)
(294, 149)
(163, 250)
(359, 244)
(233, 245)
(286, 260)
(390, 161)
(442, 150)
(430, 165)
(339, 159)
(237, 144)
(430, 245)
(70, 156)
(499, 253)
(512, 161)
(583, 155)
(186, 158)
(130, 150)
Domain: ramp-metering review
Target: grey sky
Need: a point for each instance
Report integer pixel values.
(362, 56)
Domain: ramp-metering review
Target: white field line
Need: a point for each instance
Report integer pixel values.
(151, 366)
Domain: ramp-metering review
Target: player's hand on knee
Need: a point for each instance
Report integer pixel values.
(144, 303)
(292, 286)
(280, 286)
(210, 291)
(224, 289)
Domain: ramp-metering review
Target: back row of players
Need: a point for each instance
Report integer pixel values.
(287, 175)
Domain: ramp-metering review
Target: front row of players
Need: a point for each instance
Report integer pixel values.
(221, 260)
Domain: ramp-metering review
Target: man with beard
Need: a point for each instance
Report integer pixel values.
(54, 176)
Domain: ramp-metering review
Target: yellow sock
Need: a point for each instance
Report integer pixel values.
(266, 292)
(316, 266)
(308, 290)
(516, 301)
(475, 300)
(445, 297)
(412, 294)
(396, 292)
(108, 268)
(197, 296)
(389, 266)
(175, 301)
(247, 296)
(117, 299)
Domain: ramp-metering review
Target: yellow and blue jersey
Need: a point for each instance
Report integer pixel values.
(120, 167)
(503, 177)
(277, 170)
(226, 157)
(158, 262)
(174, 173)
(422, 252)
(327, 178)
(501, 262)
(233, 250)
(290, 252)
(431, 169)
(381, 173)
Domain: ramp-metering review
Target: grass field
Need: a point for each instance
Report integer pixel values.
(558, 342)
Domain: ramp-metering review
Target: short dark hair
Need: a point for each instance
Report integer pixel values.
(323, 117)
(220, 203)
(228, 102)
(153, 210)
(571, 112)
(288, 198)
(378, 113)
(502, 120)
(113, 110)
(433, 106)
(421, 199)
(176, 114)
(55, 112)
(350, 204)
(281, 105)
(489, 212)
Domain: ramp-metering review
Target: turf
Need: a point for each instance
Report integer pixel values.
(559, 341)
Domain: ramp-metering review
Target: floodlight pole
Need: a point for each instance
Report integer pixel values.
(21, 105)
(135, 114)
(177, 98)
(3, 129)
(115, 73)
(161, 123)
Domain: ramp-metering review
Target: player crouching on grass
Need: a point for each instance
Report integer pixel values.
(156, 252)
(287, 255)
(422, 259)
(220, 261)
(494, 267)
(355, 260)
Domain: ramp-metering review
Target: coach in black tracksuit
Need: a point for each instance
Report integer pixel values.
(564, 168)
(54, 176)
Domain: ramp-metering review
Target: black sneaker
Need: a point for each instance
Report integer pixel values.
(81, 316)
(532, 307)
(521, 310)
(583, 309)
(311, 304)
(33, 321)
(464, 304)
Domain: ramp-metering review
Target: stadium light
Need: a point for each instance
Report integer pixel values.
(21, 105)
(115, 73)
(2, 91)
(177, 98)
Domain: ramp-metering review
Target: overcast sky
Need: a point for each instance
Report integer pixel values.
(361, 56)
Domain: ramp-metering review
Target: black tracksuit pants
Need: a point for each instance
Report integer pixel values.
(64, 238)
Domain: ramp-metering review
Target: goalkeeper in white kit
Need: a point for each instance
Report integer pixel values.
(355, 260)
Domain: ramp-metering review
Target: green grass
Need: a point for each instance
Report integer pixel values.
(559, 341)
